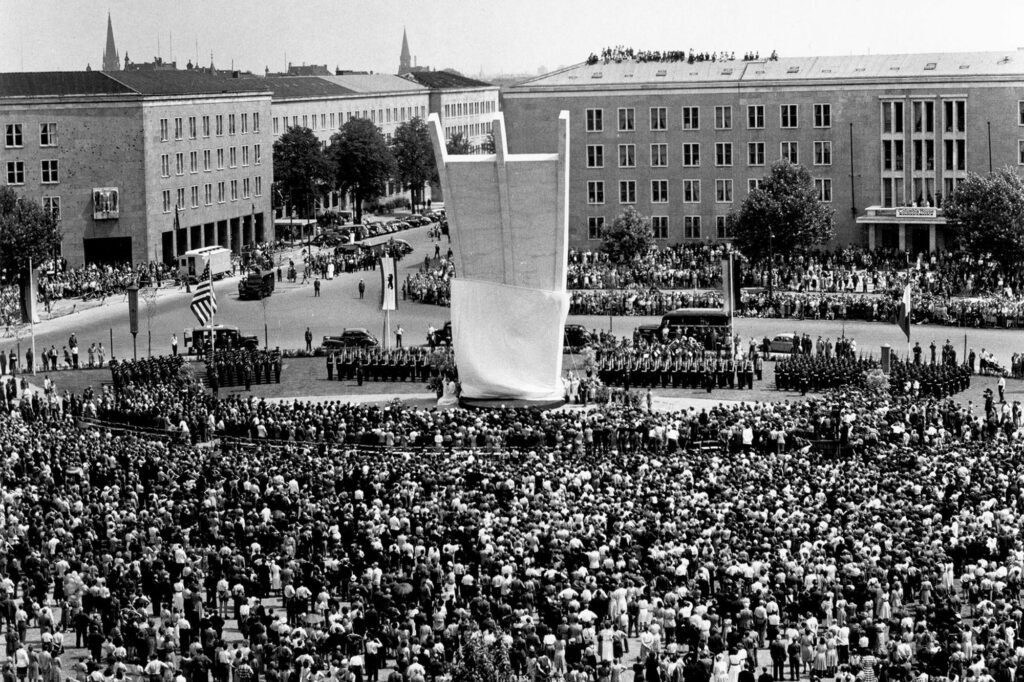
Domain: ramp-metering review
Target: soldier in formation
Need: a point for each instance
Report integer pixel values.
(159, 370)
(399, 364)
(244, 366)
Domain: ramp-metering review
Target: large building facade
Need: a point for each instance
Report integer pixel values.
(140, 166)
(886, 137)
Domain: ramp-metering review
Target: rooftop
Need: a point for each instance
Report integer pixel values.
(304, 87)
(942, 65)
(444, 79)
(48, 83)
(72, 83)
(184, 83)
(368, 83)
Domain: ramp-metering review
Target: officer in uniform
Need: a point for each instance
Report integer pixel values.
(730, 372)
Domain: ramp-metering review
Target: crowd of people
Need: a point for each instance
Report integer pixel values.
(681, 266)
(636, 301)
(244, 366)
(804, 372)
(620, 54)
(432, 283)
(377, 364)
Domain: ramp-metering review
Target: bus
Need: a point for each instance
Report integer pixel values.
(192, 263)
(710, 326)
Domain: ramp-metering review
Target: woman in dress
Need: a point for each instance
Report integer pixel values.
(720, 671)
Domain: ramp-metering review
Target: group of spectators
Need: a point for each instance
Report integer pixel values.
(637, 301)
(681, 266)
(432, 283)
(620, 54)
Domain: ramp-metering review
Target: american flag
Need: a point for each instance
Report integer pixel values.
(204, 300)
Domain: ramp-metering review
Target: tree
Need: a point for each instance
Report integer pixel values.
(27, 232)
(414, 157)
(301, 171)
(784, 214)
(986, 215)
(482, 658)
(488, 146)
(628, 237)
(458, 144)
(361, 161)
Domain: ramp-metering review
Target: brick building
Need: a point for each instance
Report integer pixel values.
(123, 157)
(885, 137)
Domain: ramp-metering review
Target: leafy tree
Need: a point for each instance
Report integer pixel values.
(986, 214)
(301, 171)
(414, 157)
(479, 660)
(458, 144)
(488, 146)
(628, 237)
(361, 161)
(784, 214)
(26, 232)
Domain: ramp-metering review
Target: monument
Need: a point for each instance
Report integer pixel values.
(508, 216)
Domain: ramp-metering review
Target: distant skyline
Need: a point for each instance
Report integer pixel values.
(474, 37)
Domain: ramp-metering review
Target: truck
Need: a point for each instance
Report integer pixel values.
(256, 283)
(192, 264)
(197, 339)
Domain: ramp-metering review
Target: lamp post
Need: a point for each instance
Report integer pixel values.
(771, 266)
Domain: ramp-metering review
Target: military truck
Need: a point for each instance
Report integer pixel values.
(256, 283)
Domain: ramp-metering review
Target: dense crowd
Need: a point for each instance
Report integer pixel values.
(620, 54)
(432, 282)
(637, 301)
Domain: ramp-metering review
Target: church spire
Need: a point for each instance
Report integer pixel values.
(111, 62)
(405, 60)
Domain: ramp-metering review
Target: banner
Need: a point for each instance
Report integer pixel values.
(29, 294)
(388, 283)
(133, 309)
(903, 313)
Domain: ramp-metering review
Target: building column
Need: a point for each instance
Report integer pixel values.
(188, 238)
(871, 236)
(931, 239)
(227, 236)
(903, 237)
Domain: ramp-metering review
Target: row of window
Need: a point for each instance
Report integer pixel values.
(723, 119)
(660, 227)
(470, 108)
(193, 123)
(332, 121)
(658, 157)
(922, 117)
(691, 190)
(193, 160)
(468, 130)
(49, 172)
(14, 136)
(225, 191)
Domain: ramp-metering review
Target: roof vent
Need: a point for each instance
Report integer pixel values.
(859, 68)
(894, 68)
(726, 72)
(793, 69)
(661, 73)
(965, 66)
(596, 74)
(693, 73)
(826, 70)
(930, 66)
(627, 75)
(1004, 60)
(760, 72)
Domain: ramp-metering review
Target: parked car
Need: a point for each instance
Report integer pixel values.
(443, 336)
(356, 337)
(577, 337)
(782, 343)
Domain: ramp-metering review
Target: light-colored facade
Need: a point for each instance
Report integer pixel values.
(885, 137)
(113, 155)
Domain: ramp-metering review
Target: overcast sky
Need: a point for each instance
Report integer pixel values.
(492, 36)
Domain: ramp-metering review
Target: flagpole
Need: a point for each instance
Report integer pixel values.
(32, 313)
(213, 340)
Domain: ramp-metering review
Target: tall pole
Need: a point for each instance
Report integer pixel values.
(989, 146)
(32, 314)
(209, 324)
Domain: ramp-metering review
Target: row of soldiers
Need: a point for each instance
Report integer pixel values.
(240, 366)
(159, 370)
(399, 364)
(640, 368)
(816, 373)
(932, 381)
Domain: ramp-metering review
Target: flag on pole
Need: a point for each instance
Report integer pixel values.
(204, 300)
(903, 313)
(388, 284)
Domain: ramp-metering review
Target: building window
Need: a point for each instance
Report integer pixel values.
(208, 194)
(49, 169)
(245, 188)
(15, 172)
(194, 192)
(753, 183)
(1020, 152)
(179, 163)
(180, 203)
(206, 126)
(595, 156)
(220, 159)
(924, 116)
(219, 124)
(691, 191)
(256, 121)
(659, 191)
(163, 130)
(722, 227)
(823, 153)
(595, 120)
(659, 226)
(824, 189)
(627, 119)
(259, 186)
(892, 155)
(165, 166)
(723, 117)
(954, 115)
(789, 152)
(892, 117)
(192, 130)
(220, 192)
(245, 123)
(595, 192)
(822, 115)
(179, 128)
(691, 154)
(627, 191)
(659, 118)
(257, 155)
(167, 200)
(787, 116)
(274, 119)
(691, 227)
(755, 153)
(234, 190)
(48, 136)
(627, 155)
(755, 116)
(691, 118)
(51, 205)
(206, 160)
(232, 157)
(723, 153)
(594, 226)
(723, 191)
(245, 155)
(231, 124)
(659, 155)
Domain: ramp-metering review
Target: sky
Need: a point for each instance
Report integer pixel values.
(495, 37)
